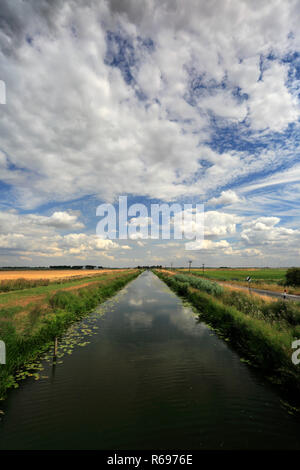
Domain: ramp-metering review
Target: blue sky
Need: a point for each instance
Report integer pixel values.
(170, 101)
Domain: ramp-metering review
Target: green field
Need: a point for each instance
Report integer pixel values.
(15, 295)
(266, 275)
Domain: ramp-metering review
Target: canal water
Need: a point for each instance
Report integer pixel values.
(142, 373)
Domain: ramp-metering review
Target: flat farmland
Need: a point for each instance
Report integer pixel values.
(231, 274)
(18, 303)
(51, 274)
(261, 278)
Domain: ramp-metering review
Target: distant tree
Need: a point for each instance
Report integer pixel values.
(292, 277)
(60, 267)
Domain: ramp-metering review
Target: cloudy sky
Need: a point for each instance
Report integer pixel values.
(187, 101)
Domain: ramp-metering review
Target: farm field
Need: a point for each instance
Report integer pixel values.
(266, 278)
(232, 274)
(25, 310)
(20, 280)
(39, 292)
(50, 274)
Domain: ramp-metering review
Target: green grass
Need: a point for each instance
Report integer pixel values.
(266, 275)
(203, 284)
(21, 283)
(43, 323)
(8, 297)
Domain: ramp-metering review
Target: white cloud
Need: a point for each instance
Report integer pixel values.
(271, 104)
(223, 105)
(38, 237)
(11, 221)
(84, 130)
(219, 224)
(226, 197)
(60, 219)
(265, 232)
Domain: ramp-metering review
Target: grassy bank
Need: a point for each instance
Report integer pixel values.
(261, 332)
(19, 296)
(21, 283)
(266, 279)
(29, 331)
(20, 280)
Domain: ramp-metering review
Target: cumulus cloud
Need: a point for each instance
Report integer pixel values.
(39, 237)
(209, 245)
(226, 197)
(137, 106)
(271, 104)
(59, 219)
(265, 232)
(218, 224)
(12, 221)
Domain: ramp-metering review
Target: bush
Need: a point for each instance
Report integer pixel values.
(201, 284)
(283, 310)
(292, 277)
(244, 303)
(34, 314)
(68, 301)
(18, 284)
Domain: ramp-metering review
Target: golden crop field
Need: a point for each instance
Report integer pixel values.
(50, 274)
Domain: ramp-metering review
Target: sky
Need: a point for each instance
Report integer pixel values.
(162, 101)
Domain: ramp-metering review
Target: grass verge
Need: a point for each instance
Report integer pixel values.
(266, 279)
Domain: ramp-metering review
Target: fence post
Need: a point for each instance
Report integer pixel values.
(2, 352)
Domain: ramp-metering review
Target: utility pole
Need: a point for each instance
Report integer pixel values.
(203, 268)
(190, 262)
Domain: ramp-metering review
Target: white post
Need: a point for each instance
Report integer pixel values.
(2, 352)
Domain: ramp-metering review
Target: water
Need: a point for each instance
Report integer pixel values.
(152, 377)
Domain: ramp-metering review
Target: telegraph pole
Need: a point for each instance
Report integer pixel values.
(190, 262)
